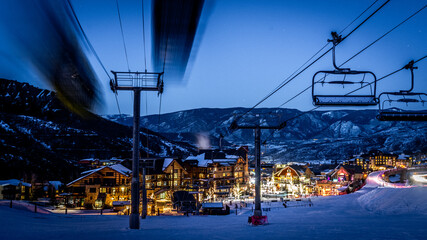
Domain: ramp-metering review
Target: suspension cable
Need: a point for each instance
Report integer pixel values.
(317, 59)
(92, 49)
(143, 34)
(327, 43)
(87, 40)
(362, 50)
(123, 36)
(379, 79)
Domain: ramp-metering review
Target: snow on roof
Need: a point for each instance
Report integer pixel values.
(88, 171)
(198, 157)
(56, 184)
(212, 205)
(121, 169)
(231, 156)
(403, 156)
(117, 167)
(202, 162)
(14, 182)
(326, 171)
(224, 160)
(166, 163)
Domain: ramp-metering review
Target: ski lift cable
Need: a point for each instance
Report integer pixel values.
(123, 36)
(372, 14)
(317, 59)
(145, 52)
(315, 108)
(327, 43)
(87, 40)
(164, 65)
(92, 49)
(360, 15)
(388, 75)
(143, 34)
(362, 50)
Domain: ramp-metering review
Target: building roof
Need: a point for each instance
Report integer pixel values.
(166, 163)
(14, 182)
(299, 169)
(201, 160)
(56, 184)
(213, 205)
(117, 167)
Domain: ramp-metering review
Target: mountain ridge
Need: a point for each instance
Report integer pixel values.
(328, 134)
(38, 135)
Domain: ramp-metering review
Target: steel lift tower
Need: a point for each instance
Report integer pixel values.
(257, 218)
(136, 82)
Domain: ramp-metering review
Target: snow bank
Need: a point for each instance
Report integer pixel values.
(395, 200)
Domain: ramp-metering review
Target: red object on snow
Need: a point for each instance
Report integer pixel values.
(259, 220)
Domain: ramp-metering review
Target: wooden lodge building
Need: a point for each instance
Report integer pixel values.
(101, 186)
(339, 179)
(211, 175)
(293, 178)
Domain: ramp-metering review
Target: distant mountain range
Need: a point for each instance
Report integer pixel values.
(39, 136)
(315, 135)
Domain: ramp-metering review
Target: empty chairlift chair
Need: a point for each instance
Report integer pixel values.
(343, 83)
(404, 105)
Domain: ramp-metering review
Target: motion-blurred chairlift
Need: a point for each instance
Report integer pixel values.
(325, 82)
(404, 105)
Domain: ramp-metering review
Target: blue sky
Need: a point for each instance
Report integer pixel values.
(244, 49)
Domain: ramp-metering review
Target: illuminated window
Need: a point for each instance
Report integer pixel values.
(102, 190)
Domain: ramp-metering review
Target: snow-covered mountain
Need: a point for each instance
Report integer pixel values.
(315, 135)
(38, 135)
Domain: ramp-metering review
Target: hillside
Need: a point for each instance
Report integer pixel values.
(38, 135)
(315, 135)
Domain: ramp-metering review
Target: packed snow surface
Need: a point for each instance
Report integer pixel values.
(374, 212)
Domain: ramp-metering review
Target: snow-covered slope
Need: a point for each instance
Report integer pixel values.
(331, 218)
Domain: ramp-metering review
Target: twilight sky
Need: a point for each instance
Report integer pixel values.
(244, 49)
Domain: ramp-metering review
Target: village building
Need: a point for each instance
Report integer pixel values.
(404, 161)
(293, 180)
(100, 187)
(14, 189)
(379, 160)
(211, 175)
(339, 179)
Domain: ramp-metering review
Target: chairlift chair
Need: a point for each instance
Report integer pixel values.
(338, 80)
(404, 105)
